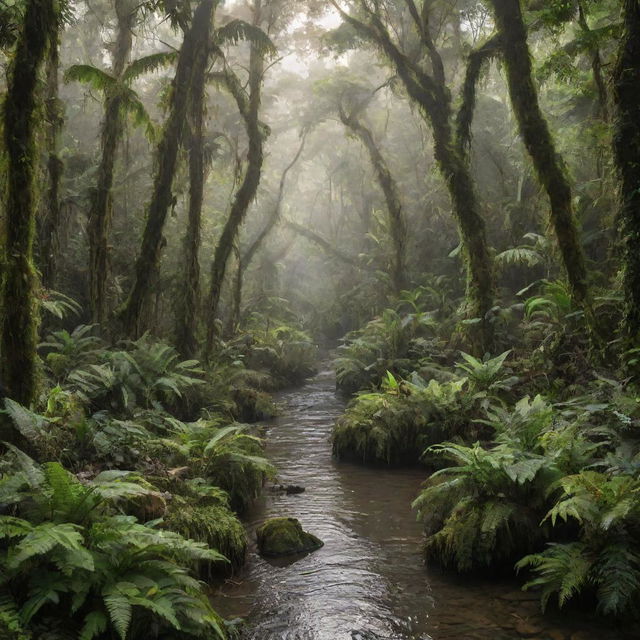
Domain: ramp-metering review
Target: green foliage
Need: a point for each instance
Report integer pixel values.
(488, 374)
(208, 519)
(236, 31)
(226, 456)
(396, 425)
(67, 351)
(280, 348)
(605, 558)
(59, 305)
(393, 342)
(485, 510)
(489, 507)
(69, 557)
(146, 375)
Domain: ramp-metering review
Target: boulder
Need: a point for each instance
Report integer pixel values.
(289, 489)
(285, 536)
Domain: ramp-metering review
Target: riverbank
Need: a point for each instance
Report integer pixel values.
(368, 581)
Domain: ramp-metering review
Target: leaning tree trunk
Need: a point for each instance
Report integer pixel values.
(626, 144)
(50, 222)
(195, 45)
(431, 94)
(19, 306)
(539, 143)
(245, 259)
(397, 222)
(188, 314)
(100, 212)
(246, 193)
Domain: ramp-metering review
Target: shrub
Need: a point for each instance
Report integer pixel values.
(605, 558)
(396, 425)
(70, 562)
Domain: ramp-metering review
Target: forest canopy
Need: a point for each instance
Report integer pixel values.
(200, 200)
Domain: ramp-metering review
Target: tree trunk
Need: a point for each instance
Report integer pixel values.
(430, 93)
(195, 45)
(49, 247)
(539, 143)
(397, 222)
(245, 260)
(188, 316)
(19, 306)
(626, 145)
(100, 212)
(245, 194)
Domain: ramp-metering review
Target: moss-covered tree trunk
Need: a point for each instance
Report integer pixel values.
(186, 341)
(100, 212)
(250, 110)
(397, 222)
(50, 219)
(626, 143)
(540, 144)
(195, 44)
(428, 90)
(19, 305)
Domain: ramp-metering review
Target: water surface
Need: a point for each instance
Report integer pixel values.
(368, 582)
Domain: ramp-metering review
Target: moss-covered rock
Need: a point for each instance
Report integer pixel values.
(285, 536)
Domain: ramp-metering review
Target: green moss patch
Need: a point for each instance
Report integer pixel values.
(285, 536)
(209, 522)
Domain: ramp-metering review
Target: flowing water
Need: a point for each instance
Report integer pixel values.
(368, 581)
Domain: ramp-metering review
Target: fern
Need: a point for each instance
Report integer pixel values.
(120, 609)
(238, 30)
(92, 76)
(148, 64)
(95, 623)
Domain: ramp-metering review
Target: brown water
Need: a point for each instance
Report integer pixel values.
(368, 581)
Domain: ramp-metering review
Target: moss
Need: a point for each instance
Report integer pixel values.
(253, 405)
(212, 522)
(285, 536)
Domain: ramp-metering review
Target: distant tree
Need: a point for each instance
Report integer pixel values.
(397, 223)
(248, 103)
(119, 101)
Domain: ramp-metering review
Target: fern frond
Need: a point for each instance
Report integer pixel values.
(95, 623)
(238, 30)
(96, 78)
(149, 64)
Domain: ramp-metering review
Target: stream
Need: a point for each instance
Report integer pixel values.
(368, 582)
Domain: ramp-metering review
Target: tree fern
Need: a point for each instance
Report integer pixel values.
(237, 30)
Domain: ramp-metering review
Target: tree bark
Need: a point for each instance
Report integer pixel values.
(196, 44)
(540, 144)
(186, 340)
(19, 306)
(50, 224)
(397, 222)
(100, 212)
(626, 146)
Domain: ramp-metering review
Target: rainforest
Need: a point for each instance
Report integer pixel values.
(319, 319)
